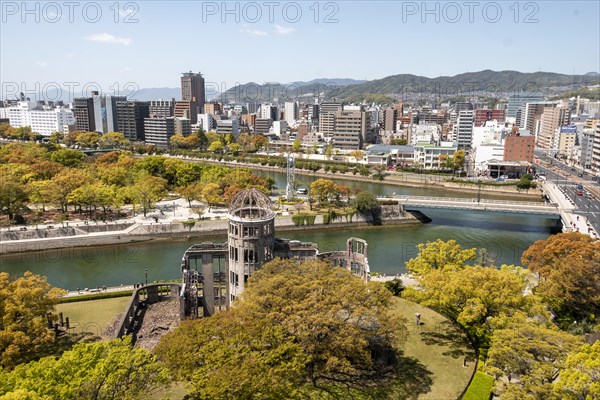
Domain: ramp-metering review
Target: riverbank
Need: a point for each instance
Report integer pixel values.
(120, 233)
(487, 189)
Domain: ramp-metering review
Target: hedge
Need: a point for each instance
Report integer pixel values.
(480, 387)
(95, 296)
(298, 219)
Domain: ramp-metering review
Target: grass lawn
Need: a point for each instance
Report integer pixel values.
(434, 353)
(480, 388)
(92, 316)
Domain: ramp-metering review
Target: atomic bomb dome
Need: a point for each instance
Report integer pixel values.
(251, 204)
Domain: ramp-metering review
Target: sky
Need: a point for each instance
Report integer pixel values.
(148, 44)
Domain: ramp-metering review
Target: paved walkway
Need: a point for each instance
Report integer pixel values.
(571, 221)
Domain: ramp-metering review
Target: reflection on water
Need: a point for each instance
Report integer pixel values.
(505, 236)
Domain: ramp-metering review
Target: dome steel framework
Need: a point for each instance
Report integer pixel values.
(251, 204)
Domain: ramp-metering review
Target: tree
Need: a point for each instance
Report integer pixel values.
(530, 351)
(113, 140)
(202, 139)
(458, 159)
(212, 193)
(99, 370)
(322, 189)
(234, 148)
(63, 183)
(379, 172)
(56, 137)
(190, 192)
(366, 203)
(395, 286)
(13, 198)
(216, 147)
(357, 155)
(297, 145)
(439, 255)
(39, 192)
(308, 330)
(329, 151)
(580, 379)
(88, 139)
(67, 157)
(25, 304)
(569, 268)
(471, 296)
(399, 142)
(526, 182)
(147, 190)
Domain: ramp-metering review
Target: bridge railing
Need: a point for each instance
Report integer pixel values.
(464, 200)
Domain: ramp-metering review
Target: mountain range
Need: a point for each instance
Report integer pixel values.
(388, 89)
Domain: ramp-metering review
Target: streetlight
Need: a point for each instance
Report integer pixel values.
(146, 271)
(478, 190)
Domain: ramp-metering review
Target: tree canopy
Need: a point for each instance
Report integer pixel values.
(299, 330)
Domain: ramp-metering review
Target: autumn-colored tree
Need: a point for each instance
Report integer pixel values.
(25, 304)
(113, 140)
(67, 157)
(190, 192)
(439, 255)
(39, 193)
(322, 189)
(569, 268)
(357, 155)
(230, 192)
(13, 197)
(100, 370)
(216, 146)
(64, 182)
(234, 149)
(88, 139)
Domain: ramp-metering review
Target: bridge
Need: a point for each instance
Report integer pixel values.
(474, 204)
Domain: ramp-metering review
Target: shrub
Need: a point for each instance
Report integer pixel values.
(298, 219)
(310, 219)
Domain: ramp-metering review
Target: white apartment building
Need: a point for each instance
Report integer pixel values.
(463, 130)
(291, 112)
(41, 120)
(426, 133)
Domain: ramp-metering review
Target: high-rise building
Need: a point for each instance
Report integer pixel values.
(596, 149)
(253, 107)
(185, 109)
(551, 119)
(587, 148)
(130, 118)
(464, 130)
(516, 102)
(313, 113)
(532, 114)
(158, 131)
(213, 108)
(291, 112)
(192, 90)
(262, 125)
(83, 110)
(268, 111)
(161, 108)
(183, 126)
(105, 112)
(206, 122)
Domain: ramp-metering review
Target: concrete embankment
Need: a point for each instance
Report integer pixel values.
(21, 241)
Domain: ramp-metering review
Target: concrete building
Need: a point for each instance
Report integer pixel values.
(106, 113)
(390, 117)
(227, 126)
(428, 155)
(291, 112)
(566, 141)
(248, 119)
(206, 122)
(158, 131)
(43, 120)
(186, 109)
(464, 130)
(262, 125)
(280, 127)
(427, 133)
(83, 111)
(483, 154)
(193, 91)
(390, 155)
(551, 119)
(587, 147)
(215, 274)
(268, 111)
(352, 128)
(517, 101)
(213, 108)
(596, 150)
(130, 118)
(183, 126)
(161, 108)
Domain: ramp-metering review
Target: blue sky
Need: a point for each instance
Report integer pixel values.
(360, 40)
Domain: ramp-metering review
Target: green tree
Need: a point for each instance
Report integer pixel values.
(147, 190)
(439, 255)
(213, 194)
(63, 183)
(113, 140)
(471, 296)
(67, 157)
(190, 192)
(379, 172)
(366, 203)
(13, 198)
(300, 330)
(25, 304)
(234, 148)
(56, 137)
(329, 151)
(580, 378)
(357, 155)
(88, 139)
(100, 370)
(216, 147)
(322, 189)
(39, 192)
(297, 145)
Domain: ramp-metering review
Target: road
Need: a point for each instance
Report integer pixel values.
(568, 179)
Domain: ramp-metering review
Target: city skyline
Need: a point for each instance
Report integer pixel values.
(151, 43)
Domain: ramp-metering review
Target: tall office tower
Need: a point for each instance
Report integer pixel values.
(105, 112)
(484, 115)
(291, 112)
(517, 101)
(313, 113)
(390, 117)
(268, 111)
(464, 130)
(551, 119)
(161, 108)
(192, 90)
(83, 110)
(130, 118)
(532, 115)
(253, 107)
